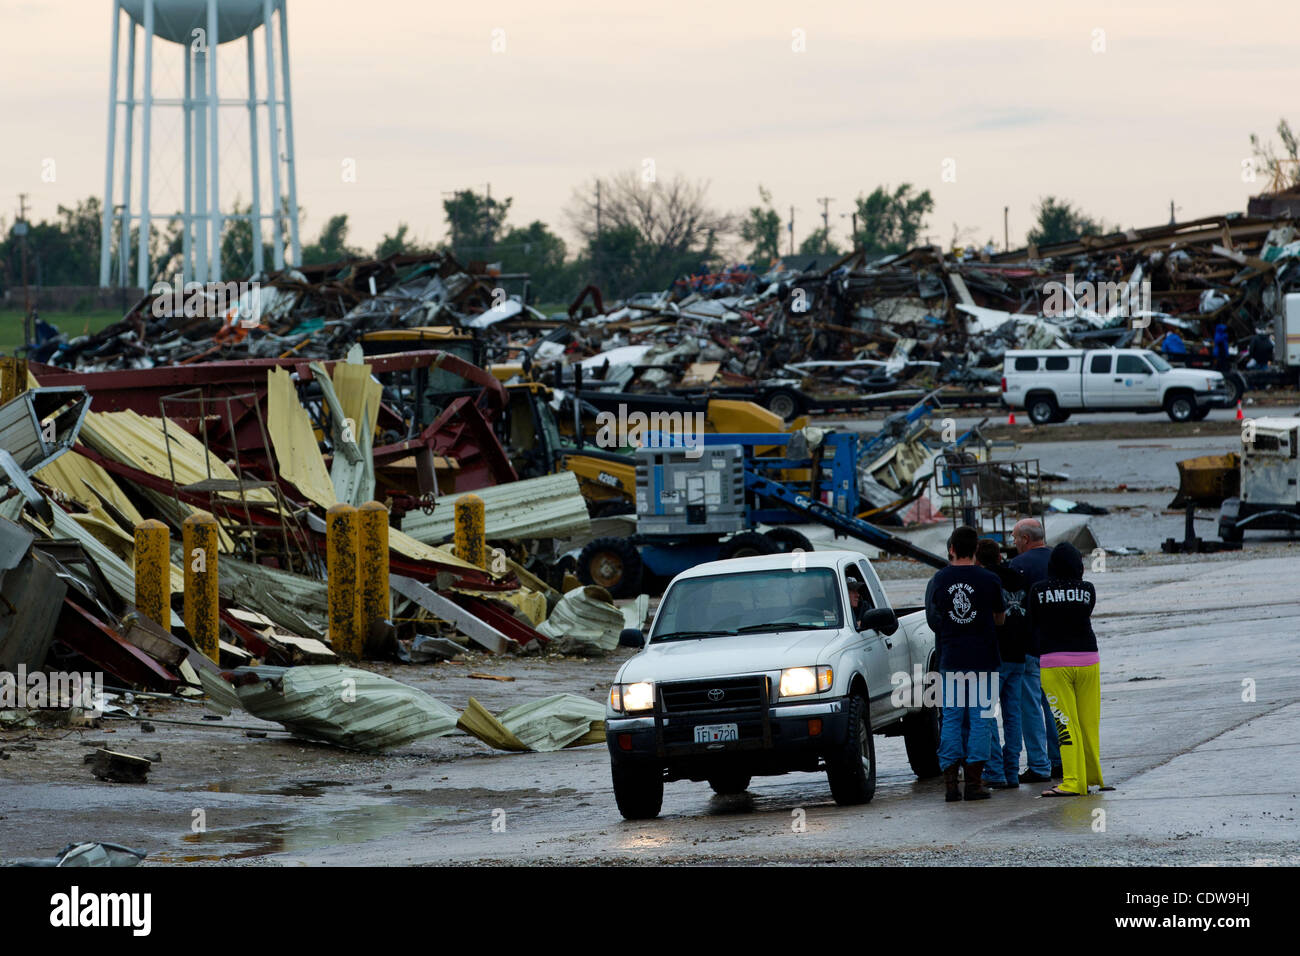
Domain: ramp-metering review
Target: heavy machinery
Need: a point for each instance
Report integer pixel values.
(704, 501)
(542, 440)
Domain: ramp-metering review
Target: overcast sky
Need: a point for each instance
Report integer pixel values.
(1117, 106)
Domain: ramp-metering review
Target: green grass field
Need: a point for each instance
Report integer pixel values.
(71, 324)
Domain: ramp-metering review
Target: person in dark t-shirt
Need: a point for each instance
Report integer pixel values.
(1002, 770)
(964, 606)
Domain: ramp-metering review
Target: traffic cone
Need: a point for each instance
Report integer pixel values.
(1239, 415)
(1011, 419)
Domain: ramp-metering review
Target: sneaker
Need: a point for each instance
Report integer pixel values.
(1033, 776)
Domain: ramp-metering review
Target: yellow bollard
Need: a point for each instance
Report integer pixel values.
(372, 548)
(471, 544)
(153, 573)
(345, 632)
(202, 610)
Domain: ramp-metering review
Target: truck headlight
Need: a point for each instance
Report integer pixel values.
(801, 681)
(632, 698)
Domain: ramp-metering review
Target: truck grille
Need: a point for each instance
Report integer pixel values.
(722, 694)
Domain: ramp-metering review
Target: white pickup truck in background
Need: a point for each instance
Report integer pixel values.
(757, 666)
(1051, 383)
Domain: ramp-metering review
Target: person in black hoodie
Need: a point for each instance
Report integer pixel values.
(1001, 770)
(1060, 612)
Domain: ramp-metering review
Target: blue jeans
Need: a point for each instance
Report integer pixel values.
(965, 734)
(1004, 760)
(1042, 749)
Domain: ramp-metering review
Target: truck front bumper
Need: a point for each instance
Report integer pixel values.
(1219, 398)
(775, 739)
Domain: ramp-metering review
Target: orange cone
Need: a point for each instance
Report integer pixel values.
(1239, 415)
(1011, 419)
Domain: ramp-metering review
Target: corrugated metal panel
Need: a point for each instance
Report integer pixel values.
(584, 622)
(345, 706)
(548, 507)
(546, 725)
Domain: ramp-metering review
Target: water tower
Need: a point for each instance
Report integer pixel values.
(199, 29)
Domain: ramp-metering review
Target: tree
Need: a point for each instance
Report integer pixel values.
(1058, 221)
(332, 245)
(399, 243)
(676, 230)
(819, 243)
(539, 252)
(762, 227)
(1283, 171)
(473, 223)
(890, 223)
(237, 246)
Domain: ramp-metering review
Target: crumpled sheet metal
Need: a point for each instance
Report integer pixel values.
(585, 621)
(345, 706)
(543, 726)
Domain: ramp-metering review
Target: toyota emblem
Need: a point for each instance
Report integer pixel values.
(717, 694)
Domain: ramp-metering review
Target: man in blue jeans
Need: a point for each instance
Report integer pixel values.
(963, 606)
(1042, 749)
(1002, 769)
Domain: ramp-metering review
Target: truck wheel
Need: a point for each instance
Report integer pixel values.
(1237, 384)
(921, 737)
(1180, 407)
(638, 790)
(748, 544)
(1061, 417)
(728, 784)
(785, 403)
(852, 771)
(1042, 409)
(1230, 533)
(788, 540)
(612, 563)
(1200, 413)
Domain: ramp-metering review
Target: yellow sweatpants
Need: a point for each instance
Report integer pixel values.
(1074, 694)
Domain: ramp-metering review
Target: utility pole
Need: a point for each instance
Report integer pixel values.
(826, 212)
(1171, 213)
(790, 227)
(1006, 233)
(597, 256)
(21, 229)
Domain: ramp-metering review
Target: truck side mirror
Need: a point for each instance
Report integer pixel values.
(631, 637)
(882, 619)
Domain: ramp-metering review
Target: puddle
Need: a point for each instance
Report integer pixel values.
(303, 788)
(328, 829)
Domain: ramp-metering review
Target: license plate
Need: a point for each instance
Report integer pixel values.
(716, 733)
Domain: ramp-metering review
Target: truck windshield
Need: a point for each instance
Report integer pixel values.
(751, 602)
(1160, 364)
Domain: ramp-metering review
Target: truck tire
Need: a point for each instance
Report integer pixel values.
(1042, 408)
(921, 737)
(748, 544)
(1061, 417)
(638, 790)
(729, 784)
(1237, 383)
(612, 563)
(1230, 533)
(788, 540)
(852, 771)
(1201, 412)
(1180, 406)
(784, 402)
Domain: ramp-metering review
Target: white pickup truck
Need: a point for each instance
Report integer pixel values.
(1052, 383)
(760, 666)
